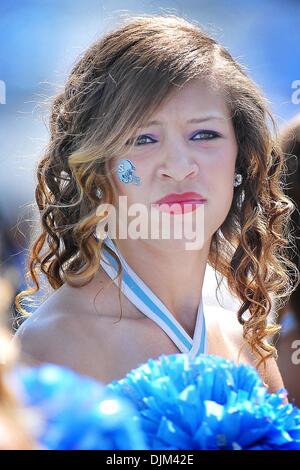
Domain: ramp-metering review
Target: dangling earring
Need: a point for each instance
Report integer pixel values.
(238, 178)
(99, 193)
(99, 232)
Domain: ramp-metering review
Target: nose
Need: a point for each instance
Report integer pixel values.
(177, 165)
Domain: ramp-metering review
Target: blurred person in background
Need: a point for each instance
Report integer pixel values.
(13, 433)
(13, 239)
(288, 343)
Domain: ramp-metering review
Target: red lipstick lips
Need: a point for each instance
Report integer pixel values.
(182, 203)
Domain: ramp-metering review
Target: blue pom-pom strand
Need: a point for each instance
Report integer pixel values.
(77, 412)
(208, 403)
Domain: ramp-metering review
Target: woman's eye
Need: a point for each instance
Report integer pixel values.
(206, 135)
(142, 139)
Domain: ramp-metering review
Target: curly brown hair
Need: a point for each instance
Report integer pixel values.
(115, 87)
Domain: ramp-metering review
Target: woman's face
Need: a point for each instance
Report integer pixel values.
(177, 154)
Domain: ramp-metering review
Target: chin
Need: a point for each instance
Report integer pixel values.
(175, 245)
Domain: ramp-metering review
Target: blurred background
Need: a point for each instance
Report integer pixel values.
(41, 39)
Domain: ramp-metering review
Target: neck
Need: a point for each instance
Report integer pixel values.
(175, 277)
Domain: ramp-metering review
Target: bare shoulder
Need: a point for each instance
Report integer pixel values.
(62, 333)
(80, 329)
(234, 332)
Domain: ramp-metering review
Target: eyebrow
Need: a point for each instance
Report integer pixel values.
(192, 121)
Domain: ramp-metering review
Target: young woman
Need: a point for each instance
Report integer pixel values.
(155, 108)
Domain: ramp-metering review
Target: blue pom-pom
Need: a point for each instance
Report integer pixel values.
(208, 403)
(77, 412)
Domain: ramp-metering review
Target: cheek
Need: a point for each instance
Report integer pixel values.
(135, 193)
(221, 188)
(128, 190)
(123, 188)
(218, 208)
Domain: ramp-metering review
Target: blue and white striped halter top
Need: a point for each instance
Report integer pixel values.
(149, 304)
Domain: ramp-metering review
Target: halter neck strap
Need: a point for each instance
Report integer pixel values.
(134, 288)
